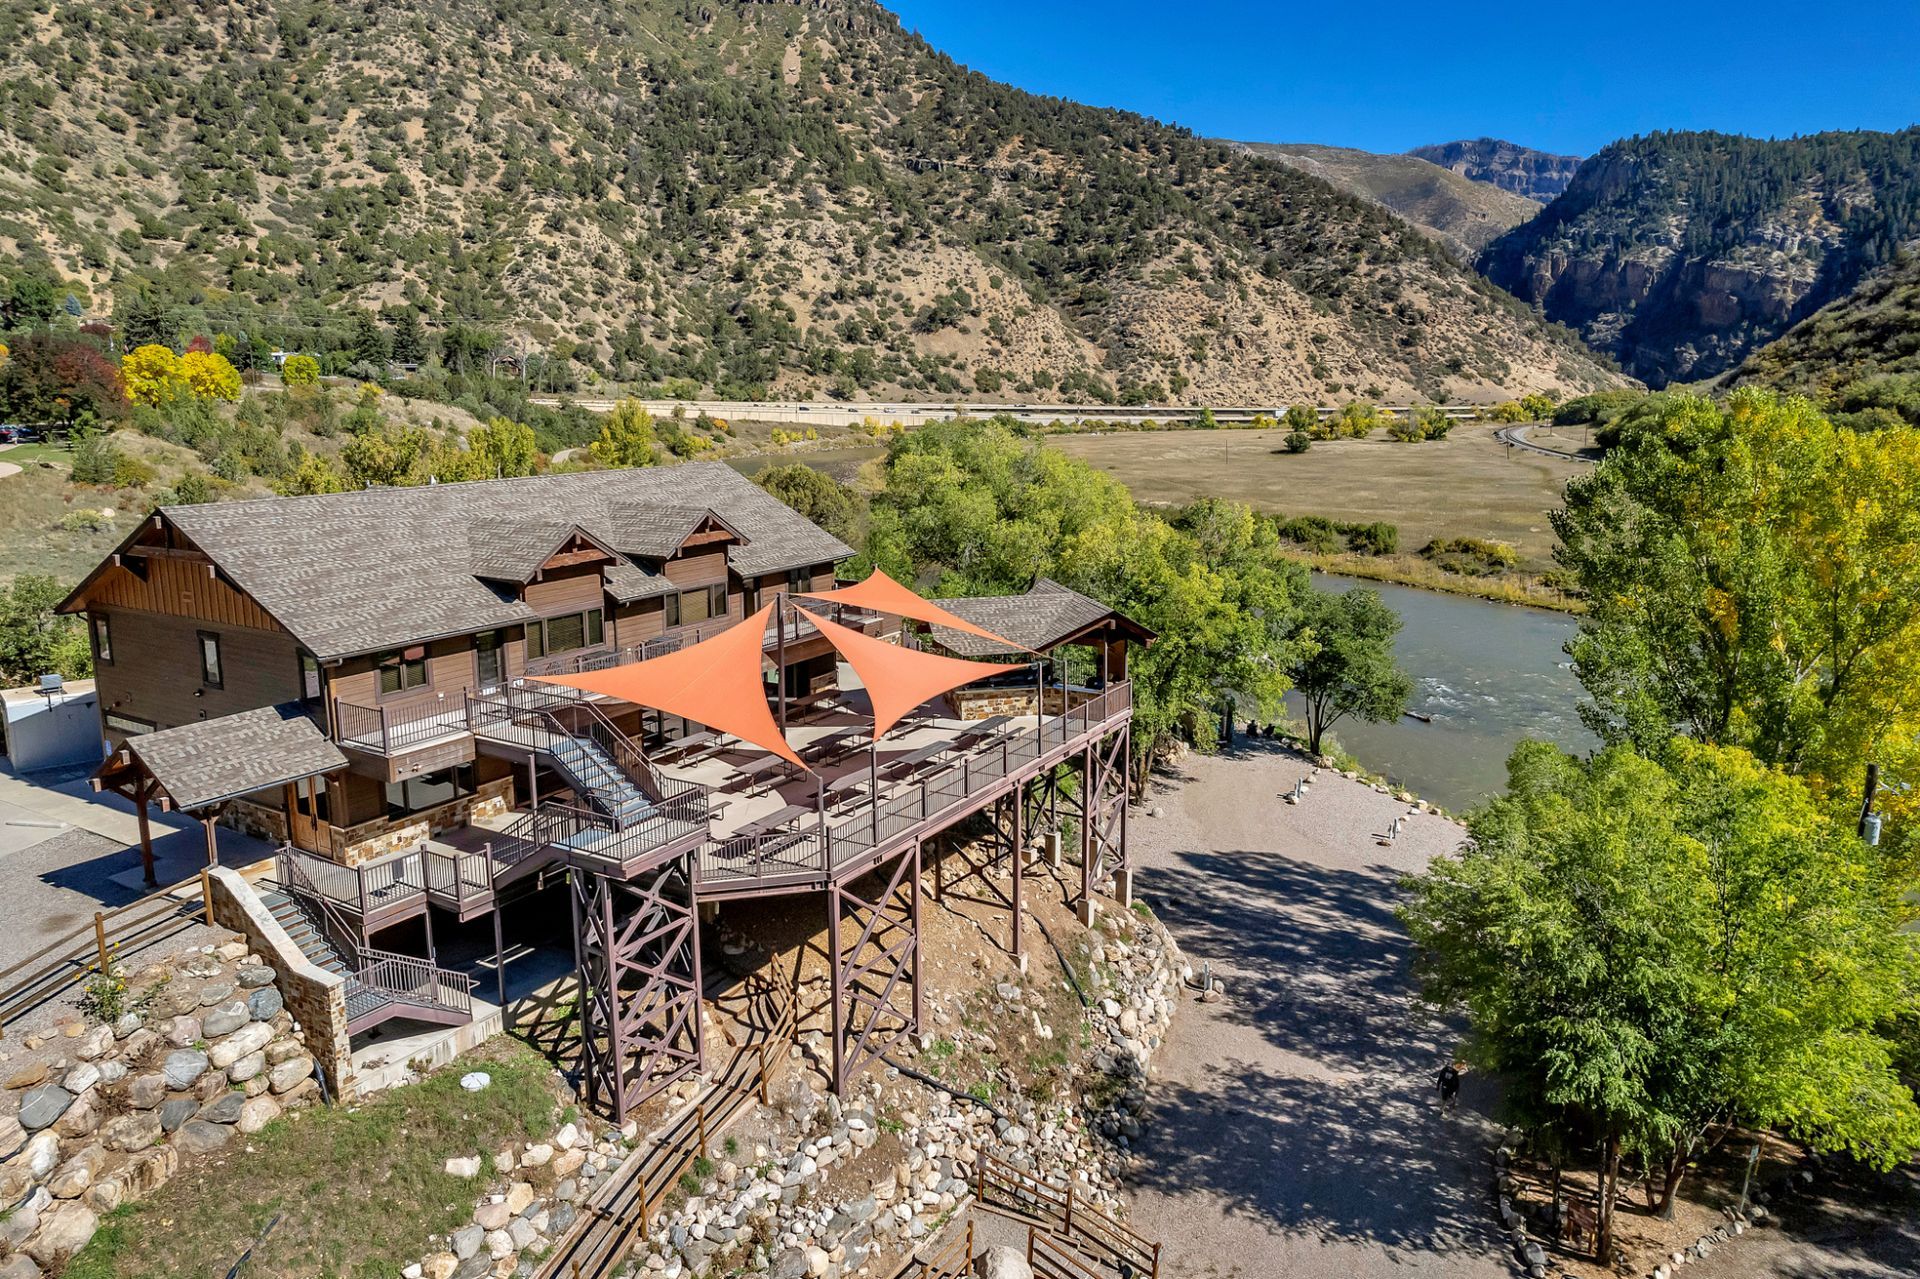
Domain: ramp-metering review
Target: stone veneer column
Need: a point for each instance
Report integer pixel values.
(316, 998)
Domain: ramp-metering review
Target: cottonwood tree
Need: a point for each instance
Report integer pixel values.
(1343, 665)
(1649, 954)
(1752, 578)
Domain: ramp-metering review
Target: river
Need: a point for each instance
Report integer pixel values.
(1489, 675)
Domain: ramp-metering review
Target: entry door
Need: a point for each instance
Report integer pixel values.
(307, 814)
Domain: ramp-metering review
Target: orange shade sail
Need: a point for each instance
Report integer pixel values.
(716, 682)
(881, 594)
(898, 679)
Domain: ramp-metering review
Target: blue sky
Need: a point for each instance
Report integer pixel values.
(1390, 74)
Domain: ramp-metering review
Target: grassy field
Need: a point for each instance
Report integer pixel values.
(356, 1191)
(1467, 485)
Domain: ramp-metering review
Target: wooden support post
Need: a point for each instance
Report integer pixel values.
(142, 792)
(646, 1206)
(765, 1098)
(1069, 1224)
(213, 843)
(206, 896)
(700, 1118)
(100, 938)
(426, 918)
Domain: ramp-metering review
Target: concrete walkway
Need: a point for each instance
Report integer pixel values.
(1294, 1129)
(66, 852)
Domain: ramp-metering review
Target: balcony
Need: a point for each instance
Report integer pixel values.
(796, 629)
(394, 728)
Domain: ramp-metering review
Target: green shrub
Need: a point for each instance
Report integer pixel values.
(1298, 441)
(1470, 556)
(131, 473)
(95, 460)
(86, 520)
(1378, 538)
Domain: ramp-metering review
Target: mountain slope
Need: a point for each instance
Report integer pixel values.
(1534, 175)
(1855, 355)
(1681, 252)
(762, 198)
(1462, 214)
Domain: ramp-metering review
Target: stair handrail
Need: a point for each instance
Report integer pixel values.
(362, 960)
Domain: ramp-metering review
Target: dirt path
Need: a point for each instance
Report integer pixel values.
(1293, 1130)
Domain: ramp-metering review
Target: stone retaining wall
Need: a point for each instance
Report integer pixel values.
(94, 1115)
(374, 840)
(316, 997)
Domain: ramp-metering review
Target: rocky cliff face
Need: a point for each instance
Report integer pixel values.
(1679, 254)
(1535, 175)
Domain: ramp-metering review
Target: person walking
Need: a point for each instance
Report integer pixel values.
(1449, 1083)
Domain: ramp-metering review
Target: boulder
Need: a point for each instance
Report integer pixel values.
(288, 1074)
(41, 1106)
(247, 1067)
(72, 1178)
(250, 1038)
(491, 1216)
(132, 1132)
(263, 1004)
(466, 1240)
(176, 1112)
(215, 992)
(81, 1119)
(19, 1267)
(439, 1265)
(1001, 1262)
(224, 1109)
(257, 1113)
(183, 1067)
(144, 1092)
(40, 1154)
(254, 976)
(225, 1019)
(199, 1137)
(463, 1166)
(64, 1230)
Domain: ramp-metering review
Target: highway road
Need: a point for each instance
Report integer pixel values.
(823, 413)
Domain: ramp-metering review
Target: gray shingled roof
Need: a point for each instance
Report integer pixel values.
(627, 583)
(1044, 616)
(514, 550)
(218, 759)
(375, 569)
(654, 531)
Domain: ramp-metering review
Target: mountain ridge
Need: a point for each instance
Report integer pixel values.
(1539, 176)
(761, 198)
(1461, 213)
(1681, 252)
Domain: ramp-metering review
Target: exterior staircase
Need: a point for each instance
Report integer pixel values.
(380, 985)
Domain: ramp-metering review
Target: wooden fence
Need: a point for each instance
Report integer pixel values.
(90, 949)
(620, 1214)
(1001, 1186)
(1049, 1258)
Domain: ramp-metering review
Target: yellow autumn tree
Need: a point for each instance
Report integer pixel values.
(151, 374)
(300, 370)
(210, 375)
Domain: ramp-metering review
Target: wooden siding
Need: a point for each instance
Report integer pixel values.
(639, 622)
(178, 587)
(702, 568)
(155, 672)
(571, 591)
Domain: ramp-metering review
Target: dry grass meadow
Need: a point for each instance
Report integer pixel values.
(1467, 485)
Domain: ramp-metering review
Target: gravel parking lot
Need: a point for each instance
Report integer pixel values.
(1294, 1129)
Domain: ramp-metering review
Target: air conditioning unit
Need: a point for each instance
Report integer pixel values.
(52, 685)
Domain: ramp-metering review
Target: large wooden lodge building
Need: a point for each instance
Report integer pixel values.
(358, 678)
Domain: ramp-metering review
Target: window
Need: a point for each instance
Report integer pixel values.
(429, 790)
(102, 638)
(309, 679)
(210, 659)
(486, 659)
(749, 598)
(799, 580)
(565, 633)
(127, 724)
(671, 612)
(400, 672)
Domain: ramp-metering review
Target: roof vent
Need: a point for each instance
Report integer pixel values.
(52, 686)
